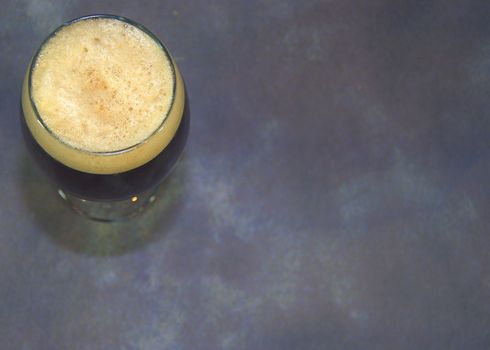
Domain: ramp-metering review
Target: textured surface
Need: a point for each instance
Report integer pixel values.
(334, 193)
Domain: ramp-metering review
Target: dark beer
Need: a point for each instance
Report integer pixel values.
(113, 186)
(105, 110)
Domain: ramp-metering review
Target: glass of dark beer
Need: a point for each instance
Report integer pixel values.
(105, 114)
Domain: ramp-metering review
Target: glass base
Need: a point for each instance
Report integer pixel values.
(110, 210)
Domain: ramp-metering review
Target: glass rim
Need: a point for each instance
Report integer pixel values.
(122, 19)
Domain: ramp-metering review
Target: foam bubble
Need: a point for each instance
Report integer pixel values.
(102, 85)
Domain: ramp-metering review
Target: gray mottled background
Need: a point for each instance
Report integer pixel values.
(334, 194)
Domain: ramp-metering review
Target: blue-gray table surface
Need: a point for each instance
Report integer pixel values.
(334, 194)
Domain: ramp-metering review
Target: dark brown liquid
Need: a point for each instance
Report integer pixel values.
(115, 186)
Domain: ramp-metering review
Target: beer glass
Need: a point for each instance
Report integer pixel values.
(105, 114)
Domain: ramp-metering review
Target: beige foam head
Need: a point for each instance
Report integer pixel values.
(106, 91)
